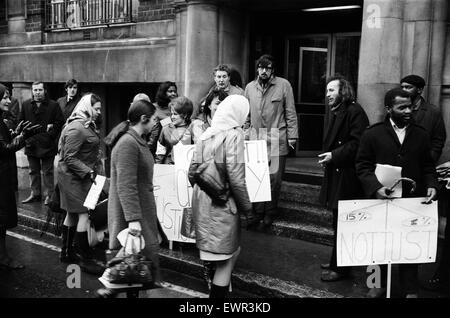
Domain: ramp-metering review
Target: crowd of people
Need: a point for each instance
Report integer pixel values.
(412, 137)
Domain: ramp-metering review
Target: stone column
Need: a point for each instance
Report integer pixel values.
(199, 51)
(380, 54)
(21, 91)
(424, 43)
(16, 16)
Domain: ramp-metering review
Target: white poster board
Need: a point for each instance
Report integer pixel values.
(168, 206)
(395, 231)
(257, 176)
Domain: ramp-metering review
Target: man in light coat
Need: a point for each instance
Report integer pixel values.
(272, 117)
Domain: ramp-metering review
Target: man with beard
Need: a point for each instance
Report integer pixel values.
(344, 125)
(272, 117)
(42, 147)
(397, 141)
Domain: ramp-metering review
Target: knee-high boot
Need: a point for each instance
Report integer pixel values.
(67, 250)
(218, 291)
(85, 255)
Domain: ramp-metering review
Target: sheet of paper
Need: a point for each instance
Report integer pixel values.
(387, 175)
(165, 121)
(94, 193)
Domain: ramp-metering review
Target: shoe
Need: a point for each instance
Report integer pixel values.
(332, 276)
(32, 198)
(376, 293)
(325, 266)
(47, 200)
(412, 296)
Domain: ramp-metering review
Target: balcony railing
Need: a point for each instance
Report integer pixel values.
(72, 14)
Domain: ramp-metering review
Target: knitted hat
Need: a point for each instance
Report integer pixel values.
(415, 80)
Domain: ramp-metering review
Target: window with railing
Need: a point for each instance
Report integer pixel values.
(70, 14)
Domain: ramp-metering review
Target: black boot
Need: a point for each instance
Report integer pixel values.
(67, 251)
(85, 255)
(209, 269)
(218, 291)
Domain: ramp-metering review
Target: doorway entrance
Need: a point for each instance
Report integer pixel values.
(310, 59)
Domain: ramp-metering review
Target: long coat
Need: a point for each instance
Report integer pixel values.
(218, 227)
(273, 108)
(45, 143)
(8, 176)
(79, 154)
(429, 117)
(67, 107)
(380, 144)
(131, 195)
(341, 138)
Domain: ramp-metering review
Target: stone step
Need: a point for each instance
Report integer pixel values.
(306, 232)
(305, 214)
(300, 193)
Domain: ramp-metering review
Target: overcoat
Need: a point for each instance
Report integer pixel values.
(8, 176)
(131, 195)
(218, 227)
(380, 144)
(342, 140)
(79, 154)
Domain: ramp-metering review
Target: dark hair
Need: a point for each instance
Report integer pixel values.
(235, 78)
(415, 80)
(391, 94)
(161, 96)
(139, 108)
(265, 60)
(222, 67)
(70, 83)
(183, 106)
(219, 93)
(346, 90)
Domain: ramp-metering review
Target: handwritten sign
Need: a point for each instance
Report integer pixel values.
(169, 205)
(182, 155)
(395, 231)
(257, 176)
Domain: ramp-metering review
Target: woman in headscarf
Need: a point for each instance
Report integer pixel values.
(10, 142)
(218, 225)
(79, 163)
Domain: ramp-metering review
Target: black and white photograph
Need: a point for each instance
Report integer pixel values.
(225, 156)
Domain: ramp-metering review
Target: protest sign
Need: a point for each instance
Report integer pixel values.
(167, 198)
(395, 231)
(257, 176)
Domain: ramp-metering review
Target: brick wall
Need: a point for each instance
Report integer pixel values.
(151, 10)
(3, 22)
(35, 15)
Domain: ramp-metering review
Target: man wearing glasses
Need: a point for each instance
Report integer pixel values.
(272, 117)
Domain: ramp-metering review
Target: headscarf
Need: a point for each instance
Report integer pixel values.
(231, 113)
(83, 111)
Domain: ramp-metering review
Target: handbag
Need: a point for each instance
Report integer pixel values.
(129, 269)
(187, 224)
(210, 176)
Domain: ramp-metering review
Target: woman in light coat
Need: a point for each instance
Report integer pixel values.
(79, 163)
(218, 226)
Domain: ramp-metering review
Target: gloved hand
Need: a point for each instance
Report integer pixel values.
(30, 131)
(21, 126)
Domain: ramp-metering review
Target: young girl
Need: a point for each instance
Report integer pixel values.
(178, 131)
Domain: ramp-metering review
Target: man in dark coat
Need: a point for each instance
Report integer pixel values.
(397, 141)
(343, 129)
(41, 148)
(68, 102)
(430, 117)
(425, 114)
